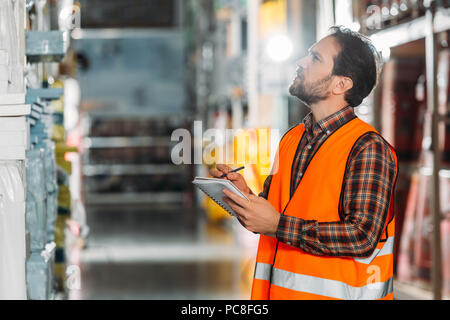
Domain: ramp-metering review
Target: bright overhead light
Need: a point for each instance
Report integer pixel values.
(279, 48)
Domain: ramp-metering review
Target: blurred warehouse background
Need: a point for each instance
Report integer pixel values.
(91, 91)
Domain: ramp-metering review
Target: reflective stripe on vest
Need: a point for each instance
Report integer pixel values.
(315, 285)
(262, 271)
(388, 248)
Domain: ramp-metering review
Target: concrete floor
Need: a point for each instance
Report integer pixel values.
(155, 253)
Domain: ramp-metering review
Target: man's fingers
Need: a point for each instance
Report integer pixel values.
(236, 208)
(239, 211)
(219, 171)
(233, 176)
(238, 199)
(215, 173)
(223, 167)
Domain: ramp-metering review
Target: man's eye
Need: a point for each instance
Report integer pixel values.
(314, 57)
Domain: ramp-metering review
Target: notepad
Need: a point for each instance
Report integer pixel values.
(213, 187)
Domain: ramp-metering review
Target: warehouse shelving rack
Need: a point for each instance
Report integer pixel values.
(435, 21)
(413, 30)
(162, 198)
(44, 42)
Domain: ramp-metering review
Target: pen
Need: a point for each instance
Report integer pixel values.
(225, 174)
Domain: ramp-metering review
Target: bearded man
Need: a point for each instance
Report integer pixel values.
(325, 217)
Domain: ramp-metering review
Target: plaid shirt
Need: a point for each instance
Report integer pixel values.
(367, 191)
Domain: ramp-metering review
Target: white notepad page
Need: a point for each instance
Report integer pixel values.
(213, 188)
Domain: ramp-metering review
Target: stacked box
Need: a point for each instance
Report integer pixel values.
(64, 169)
(63, 211)
(36, 216)
(12, 230)
(14, 140)
(40, 269)
(41, 199)
(12, 84)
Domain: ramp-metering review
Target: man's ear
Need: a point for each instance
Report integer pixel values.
(344, 84)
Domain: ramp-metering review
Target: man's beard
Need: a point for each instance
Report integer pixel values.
(311, 93)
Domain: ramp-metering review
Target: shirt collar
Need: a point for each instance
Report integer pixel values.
(329, 124)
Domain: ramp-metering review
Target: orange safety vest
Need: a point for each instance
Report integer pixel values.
(285, 272)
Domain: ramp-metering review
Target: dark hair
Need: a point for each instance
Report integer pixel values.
(359, 60)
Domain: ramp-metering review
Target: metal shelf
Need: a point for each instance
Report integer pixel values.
(135, 198)
(131, 169)
(136, 112)
(14, 110)
(124, 142)
(46, 46)
(12, 98)
(412, 30)
(44, 93)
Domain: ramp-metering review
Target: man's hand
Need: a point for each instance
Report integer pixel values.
(257, 215)
(237, 179)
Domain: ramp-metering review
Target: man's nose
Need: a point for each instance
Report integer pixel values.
(302, 62)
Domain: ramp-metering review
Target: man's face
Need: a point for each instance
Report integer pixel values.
(314, 77)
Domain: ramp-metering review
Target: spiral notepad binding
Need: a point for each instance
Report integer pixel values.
(219, 202)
